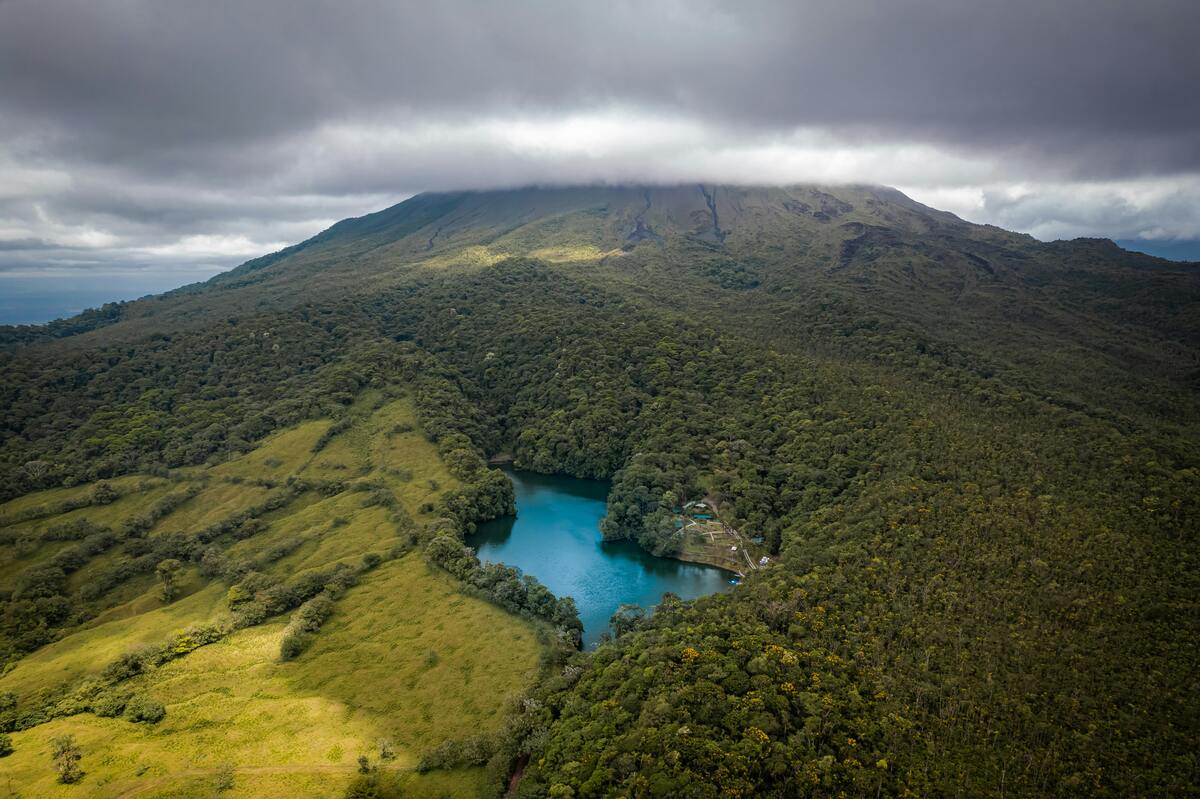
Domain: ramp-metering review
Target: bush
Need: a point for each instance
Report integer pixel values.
(376, 785)
(128, 665)
(312, 614)
(8, 711)
(103, 494)
(109, 705)
(293, 644)
(143, 709)
(474, 751)
(223, 780)
(66, 755)
(6, 747)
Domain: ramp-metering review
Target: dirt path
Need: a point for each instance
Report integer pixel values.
(741, 545)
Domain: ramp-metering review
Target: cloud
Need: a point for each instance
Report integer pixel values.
(1150, 208)
(198, 134)
(202, 245)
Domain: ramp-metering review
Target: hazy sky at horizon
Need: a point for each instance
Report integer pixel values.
(160, 140)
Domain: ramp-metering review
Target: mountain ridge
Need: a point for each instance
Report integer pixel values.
(826, 224)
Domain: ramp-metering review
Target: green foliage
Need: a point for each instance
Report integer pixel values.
(627, 619)
(6, 744)
(167, 571)
(474, 751)
(375, 785)
(109, 704)
(506, 586)
(141, 708)
(305, 622)
(972, 456)
(125, 667)
(66, 755)
(8, 711)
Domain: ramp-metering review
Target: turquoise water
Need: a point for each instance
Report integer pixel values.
(556, 538)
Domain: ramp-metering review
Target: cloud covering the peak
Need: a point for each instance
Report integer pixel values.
(157, 135)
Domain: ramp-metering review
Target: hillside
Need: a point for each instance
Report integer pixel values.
(972, 456)
(317, 519)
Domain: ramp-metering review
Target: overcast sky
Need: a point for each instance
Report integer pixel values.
(182, 137)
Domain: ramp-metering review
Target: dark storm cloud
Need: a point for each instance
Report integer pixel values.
(132, 124)
(166, 83)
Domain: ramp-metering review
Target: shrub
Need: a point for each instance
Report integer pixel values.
(8, 711)
(293, 644)
(141, 708)
(312, 614)
(223, 780)
(474, 751)
(66, 755)
(103, 494)
(6, 747)
(128, 665)
(109, 704)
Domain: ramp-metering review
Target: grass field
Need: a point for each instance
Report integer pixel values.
(139, 494)
(405, 657)
(297, 728)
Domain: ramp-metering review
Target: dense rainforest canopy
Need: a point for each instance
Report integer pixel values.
(975, 457)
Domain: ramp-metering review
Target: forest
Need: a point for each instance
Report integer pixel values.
(980, 487)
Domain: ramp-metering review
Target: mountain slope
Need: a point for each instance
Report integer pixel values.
(973, 456)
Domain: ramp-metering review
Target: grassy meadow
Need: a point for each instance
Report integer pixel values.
(405, 658)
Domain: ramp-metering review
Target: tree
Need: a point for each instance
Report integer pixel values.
(626, 619)
(6, 746)
(36, 470)
(224, 778)
(103, 494)
(66, 755)
(144, 709)
(167, 571)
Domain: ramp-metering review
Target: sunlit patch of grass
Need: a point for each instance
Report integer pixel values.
(141, 494)
(87, 651)
(54, 496)
(479, 256)
(575, 254)
(216, 501)
(404, 657)
(279, 455)
(375, 655)
(297, 728)
(474, 256)
(405, 460)
(111, 515)
(142, 595)
(338, 528)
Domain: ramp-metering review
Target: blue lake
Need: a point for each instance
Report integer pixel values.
(556, 538)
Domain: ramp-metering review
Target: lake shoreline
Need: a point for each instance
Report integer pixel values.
(555, 537)
(705, 560)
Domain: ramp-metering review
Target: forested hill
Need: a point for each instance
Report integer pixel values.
(975, 455)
